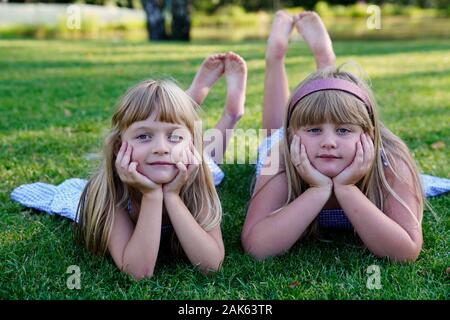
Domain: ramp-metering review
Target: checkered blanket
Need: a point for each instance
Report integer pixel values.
(63, 199)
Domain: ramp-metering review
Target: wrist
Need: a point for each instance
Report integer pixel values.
(168, 190)
(337, 187)
(171, 195)
(322, 185)
(324, 191)
(153, 194)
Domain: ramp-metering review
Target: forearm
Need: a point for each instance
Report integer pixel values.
(141, 252)
(280, 231)
(201, 248)
(381, 235)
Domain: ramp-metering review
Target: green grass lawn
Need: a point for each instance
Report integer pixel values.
(56, 100)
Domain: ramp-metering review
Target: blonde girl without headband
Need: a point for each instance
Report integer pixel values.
(106, 194)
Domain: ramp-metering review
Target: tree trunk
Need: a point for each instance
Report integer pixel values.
(276, 5)
(155, 20)
(181, 21)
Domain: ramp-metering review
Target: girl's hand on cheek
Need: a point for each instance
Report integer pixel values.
(178, 153)
(128, 173)
(188, 166)
(361, 164)
(304, 168)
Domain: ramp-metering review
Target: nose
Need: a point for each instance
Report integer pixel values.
(328, 141)
(160, 146)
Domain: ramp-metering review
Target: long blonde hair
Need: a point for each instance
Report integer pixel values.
(105, 192)
(341, 107)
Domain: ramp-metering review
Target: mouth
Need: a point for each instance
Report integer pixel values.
(161, 163)
(328, 156)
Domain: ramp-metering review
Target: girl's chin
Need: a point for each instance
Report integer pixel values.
(330, 172)
(161, 181)
(161, 177)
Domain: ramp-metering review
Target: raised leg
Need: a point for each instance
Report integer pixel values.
(210, 71)
(236, 79)
(276, 88)
(316, 37)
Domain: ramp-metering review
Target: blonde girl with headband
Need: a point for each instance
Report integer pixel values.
(340, 168)
(153, 193)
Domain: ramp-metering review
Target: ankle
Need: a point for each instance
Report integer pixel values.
(325, 60)
(197, 94)
(274, 59)
(276, 49)
(232, 119)
(275, 54)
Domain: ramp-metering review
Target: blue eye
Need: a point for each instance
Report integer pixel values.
(314, 130)
(143, 137)
(175, 138)
(343, 130)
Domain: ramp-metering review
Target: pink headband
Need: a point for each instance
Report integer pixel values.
(330, 84)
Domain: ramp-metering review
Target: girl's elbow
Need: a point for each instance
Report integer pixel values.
(259, 256)
(139, 274)
(212, 264)
(406, 256)
(410, 256)
(211, 268)
(218, 265)
(207, 270)
(142, 275)
(248, 244)
(413, 252)
(255, 242)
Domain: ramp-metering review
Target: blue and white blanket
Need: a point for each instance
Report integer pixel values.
(63, 199)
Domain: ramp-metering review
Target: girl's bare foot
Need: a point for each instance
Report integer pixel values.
(236, 78)
(316, 36)
(278, 41)
(210, 71)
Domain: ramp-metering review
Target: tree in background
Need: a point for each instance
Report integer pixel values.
(181, 20)
(253, 5)
(177, 12)
(155, 19)
(156, 24)
(157, 11)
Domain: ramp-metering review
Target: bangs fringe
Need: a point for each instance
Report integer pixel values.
(330, 107)
(160, 98)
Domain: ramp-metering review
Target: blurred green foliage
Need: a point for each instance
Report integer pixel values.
(401, 20)
(211, 6)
